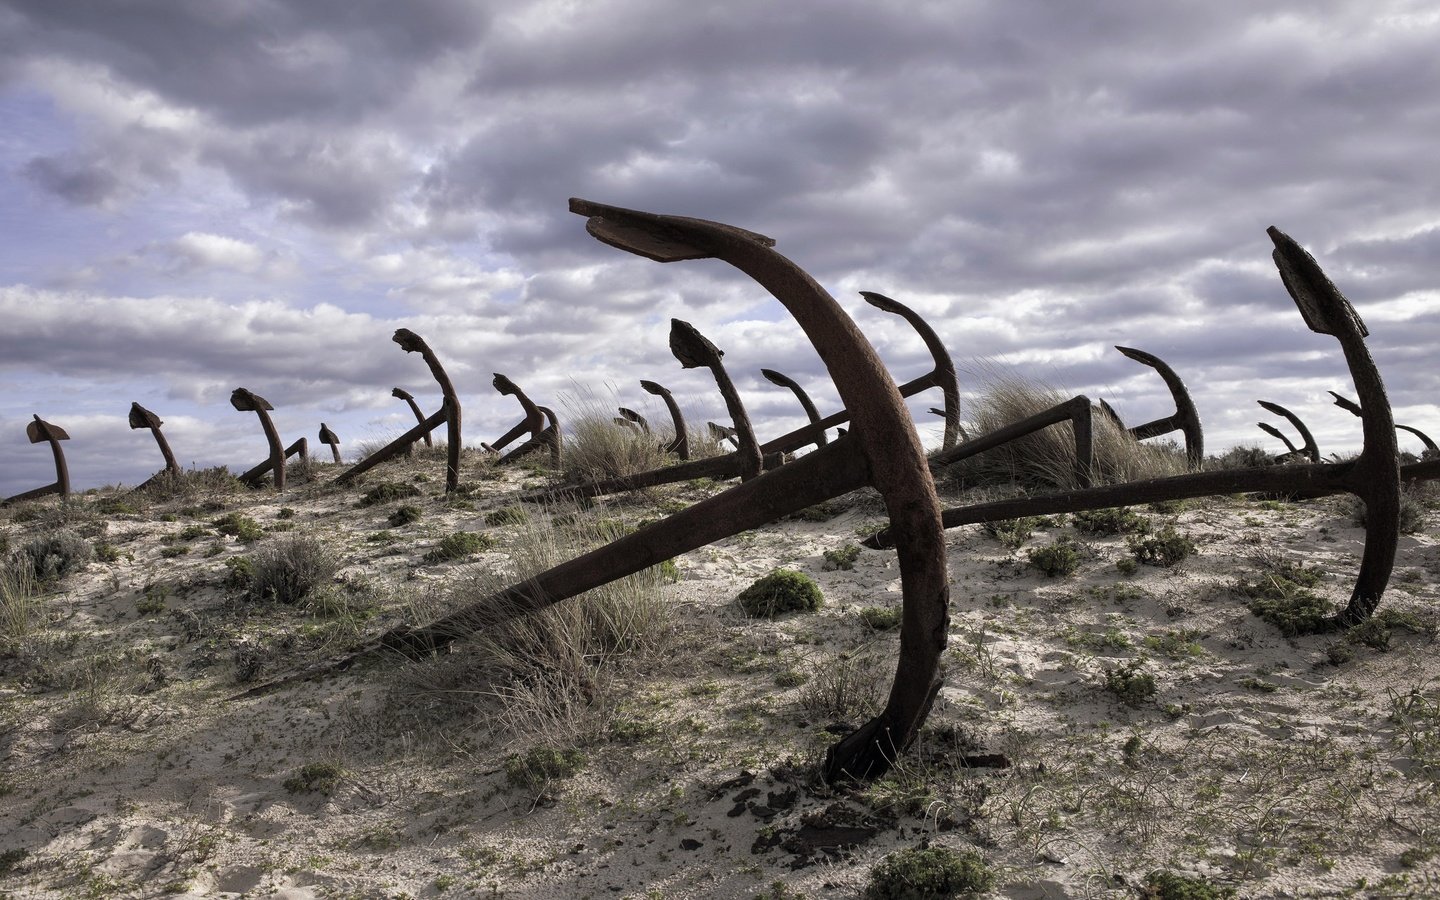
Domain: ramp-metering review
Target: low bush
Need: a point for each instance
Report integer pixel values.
(782, 591)
(1161, 885)
(288, 570)
(458, 546)
(1129, 683)
(1281, 595)
(929, 873)
(538, 766)
(388, 491)
(242, 528)
(1115, 520)
(53, 555)
(1056, 560)
(1012, 532)
(315, 778)
(404, 515)
(842, 558)
(880, 618)
(1165, 548)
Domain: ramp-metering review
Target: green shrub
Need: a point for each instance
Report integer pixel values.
(52, 556)
(404, 515)
(842, 558)
(1131, 685)
(123, 506)
(459, 545)
(782, 591)
(153, 600)
(107, 552)
(243, 528)
(1126, 566)
(290, 569)
(880, 618)
(1012, 532)
(387, 491)
(1058, 559)
(315, 778)
(1160, 885)
(538, 766)
(1166, 548)
(238, 572)
(1281, 595)
(931, 873)
(506, 515)
(1116, 520)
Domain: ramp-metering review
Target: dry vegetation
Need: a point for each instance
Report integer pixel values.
(1134, 706)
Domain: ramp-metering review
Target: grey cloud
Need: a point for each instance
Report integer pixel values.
(79, 181)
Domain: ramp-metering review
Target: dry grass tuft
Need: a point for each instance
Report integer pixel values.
(1046, 459)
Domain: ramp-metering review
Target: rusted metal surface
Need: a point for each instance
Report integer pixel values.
(694, 351)
(942, 376)
(140, 417)
(1077, 411)
(414, 408)
(449, 414)
(248, 401)
(882, 450)
(1291, 449)
(806, 403)
(300, 450)
(1346, 403)
(549, 437)
(1308, 448)
(635, 418)
(532, 421)
(331, 440)
(680, 446)
(1374, 476)
(1185, 419)
(41, 430)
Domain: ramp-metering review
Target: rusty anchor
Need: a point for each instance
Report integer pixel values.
(405, 395)
(1374, 476)
(448, 413)
(1185, 419)
(1349, 405)
(942, 376)
(532, 420)
(330, 439)
(881, 450)
(721, 433)
(549, 437)
(247, 401)
(628, 424)
(694, 351)
(1310, 449)
(680, 446)
(140, 417)
(1077, 411)
(634, 418)
(41, 430)
(806, 403)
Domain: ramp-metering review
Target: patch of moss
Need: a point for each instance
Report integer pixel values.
(929, 873)
(387, 491)
(782, 591)
(538, 766)
(459, 545)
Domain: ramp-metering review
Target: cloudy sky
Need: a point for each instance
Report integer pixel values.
(198, 196)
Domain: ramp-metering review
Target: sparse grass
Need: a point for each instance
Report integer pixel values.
(1161, 885)
(241, 527)
(405, 515)
(929, 873)
(845, 688)
(1129, 683)
(1165, 548)
(19, 604)
(780, 592)
(290, 569)
(458, 546)
(191, 483)
(506, 515)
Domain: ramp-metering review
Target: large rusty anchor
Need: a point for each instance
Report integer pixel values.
(1374, 476)
(1349, 405)
(942, 376)
(140, 417)
(449, 413)
(248, 401)
(331, 440)
(1310, 449)
(548, 437)
(531, 420)
(41, 430)
(882, 450)
(409, 398)
(694, 351)
(680, 446)
(811, 413)
(1185, 419)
